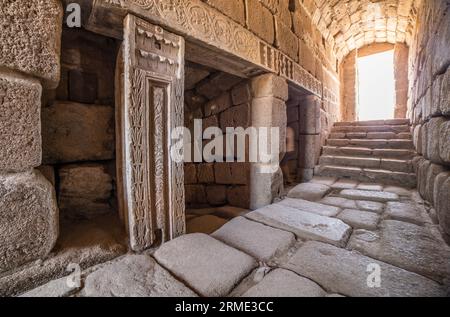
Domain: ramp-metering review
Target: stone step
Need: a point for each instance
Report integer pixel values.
(368, 129)
(371, 135)
(407, 180)
(366, 152)
(404, 166)
(372, 144)
(374, 123)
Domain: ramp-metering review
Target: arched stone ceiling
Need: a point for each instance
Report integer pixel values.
(351, 24)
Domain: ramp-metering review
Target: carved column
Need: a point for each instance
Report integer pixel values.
(151, 183)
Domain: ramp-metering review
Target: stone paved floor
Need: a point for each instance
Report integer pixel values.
(326, 238)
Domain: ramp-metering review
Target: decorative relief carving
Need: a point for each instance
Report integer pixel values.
(153, 106)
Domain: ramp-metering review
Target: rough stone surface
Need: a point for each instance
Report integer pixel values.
(369, 195)
(444, 142)
(259, 241)
(316, 208)
(345, 184)
(284, 283)
(55, 288)
(134, 276)
(407, 212)
(31, 34)
(20, 133)
(359, 219)
(73, 132)
(309, 191)
(29, 223)
(405, 245)
(303, 224)
(442, 200)
(345, 272)
(186, 256)
(84, 190)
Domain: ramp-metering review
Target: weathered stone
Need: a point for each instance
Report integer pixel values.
(369, 195)
(55, 288)
(83, 86)
(31, 35)
(75, 132)
(433, 171)
(217, 105)
(231, 173)
(235, 9)
(309, 191)
(328, 181)
(310, 115)
(29, 221)
(346, 272)
(398, 190)
(286, 40)
(444, 142)
(230, 212)
(217, 84)
(284, 283)
(205, 173)
(339, 202)
(204, 224)
(270, 85)
(194, 75)
(195, 194)
(134, 276)
(49, 173)
(20, 133)
(359, 219)
(442, 201)
(237, 116)
(259, 241)
(84, 190)
(444, 106)
(405, 245)
(434, 135)
(345, 184)
(309, 146)
(316, 208)
(190, 173)
(224, 268)
(260, 21)
(241, 94)
(372, 206)
(266, 185)
(216, 195)
(239, 196)
(407, 212)
(370, 186)
(304, 225)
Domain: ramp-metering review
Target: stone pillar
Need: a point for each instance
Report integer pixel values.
(270, 94)
(29, 63)
(401, 53)
(309, 139)
(348, 88)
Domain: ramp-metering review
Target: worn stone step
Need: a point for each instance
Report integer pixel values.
(376, 128)
(372, 143)
(374, 123)
(366, 152)
(346, 272)
(404, 166)
(371, 135)
(386, 177)
(305, 225)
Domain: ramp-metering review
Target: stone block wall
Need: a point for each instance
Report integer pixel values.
(78, 122)
(429, 106)
(220, 100)
(29, 63)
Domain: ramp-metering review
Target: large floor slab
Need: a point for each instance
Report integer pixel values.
(209, 266)
(369, 195)
(303, 224)
(134, 276)
(406, 245)
(347, 273)
(404, 211)
(284, 283)
(309, 191)
(316, 208)
(260, 241)
(359, 219)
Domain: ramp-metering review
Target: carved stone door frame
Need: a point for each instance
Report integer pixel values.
(150, 88)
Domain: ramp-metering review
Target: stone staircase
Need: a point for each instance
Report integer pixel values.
(370, 151)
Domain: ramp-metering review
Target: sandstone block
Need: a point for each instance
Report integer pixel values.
(433, 138)
(286, 40)
(444, 142)
(134, 276)
(359, 219)
(204, 224)
(218, 104)
(195, 194)
(406, 212)
(29, 221)
(255, 239)
(31, 33)
(235, 9)
(442, 201)
(85, 190)
(186, 258)
(265, 185)
(316, 208)
(190, 173)
(216, 195)
(270, 85)
(194, 75)
(237, 116)
(310, 116)
(260, 21)
(444, 104)
(73, 132)
(239, 196)
(241, 94)
(205, 173)
(369, 195)
(309, 191)
(20, 129)
(231, 173)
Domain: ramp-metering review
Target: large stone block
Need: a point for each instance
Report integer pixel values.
(286, 40)
(270, 85)
(20, 128)
(28, 218)
(444, 142)
(433, 171)
(31, 38)
(234, 9)
(433, 138)
(442, 200)
(310, 116)
(444, 104)
(75, 132)
(239, 196)
(237, 116)
(309, 147)
(85, 190)
(266, 185)
(260, 21)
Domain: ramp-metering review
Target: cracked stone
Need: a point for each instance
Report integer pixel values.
(359, 219)
(309, 191)
(369, 195)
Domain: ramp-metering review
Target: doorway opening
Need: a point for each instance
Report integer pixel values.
(376, 87)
